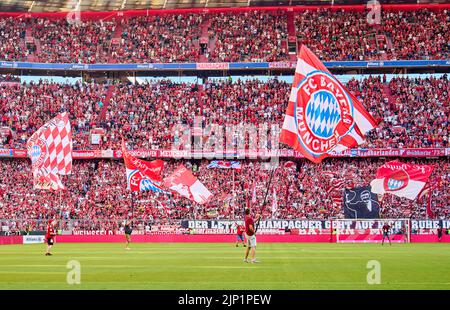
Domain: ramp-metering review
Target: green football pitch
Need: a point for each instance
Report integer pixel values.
(220, 266)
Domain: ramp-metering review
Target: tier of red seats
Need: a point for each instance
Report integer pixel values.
(252, 35)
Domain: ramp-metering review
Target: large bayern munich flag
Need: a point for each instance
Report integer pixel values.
(187, 185)
(142, 175)
(50, 150)
(50, 147)
(322, 116)
(400, 179)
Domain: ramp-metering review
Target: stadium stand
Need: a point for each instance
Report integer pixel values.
(411, 112)
(402, 122)
(97, 197)
(230, 36)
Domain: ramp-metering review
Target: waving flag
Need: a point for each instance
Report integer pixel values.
(401, 179)
(322, 116)
(187, 185)
(290, 165)
(274, 203)
(50, 150)
(254, 193)
(47, 181)
(224, 164)
(50, 147)
(141, 174)
(427, 192)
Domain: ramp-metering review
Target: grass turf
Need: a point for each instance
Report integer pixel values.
(220, 266)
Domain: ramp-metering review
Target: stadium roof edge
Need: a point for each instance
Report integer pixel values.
(141, 12)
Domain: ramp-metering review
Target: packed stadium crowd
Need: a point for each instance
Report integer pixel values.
(230, 36)
(343, 35)
(410, 112)
(97, 198)
(250, 36)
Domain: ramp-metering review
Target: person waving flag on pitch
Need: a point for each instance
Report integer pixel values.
(322, 115)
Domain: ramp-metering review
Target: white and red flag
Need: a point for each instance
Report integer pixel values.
(274, 203)
(290, 165)
(50, 146)
(142, 175)
(187, 185)
(254, 193)
(427, 192)
(322, 115)
(47, 180)
(401, 179)
(50, 150)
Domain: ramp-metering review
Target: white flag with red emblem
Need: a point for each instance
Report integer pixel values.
(187, 185)
(47, 180)
(50, 150)
(401, 179)
(322, 115)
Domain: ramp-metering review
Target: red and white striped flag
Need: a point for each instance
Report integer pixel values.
(336, 185)
(50, 150)
(322, 115)
(50, 147)
(335, 189)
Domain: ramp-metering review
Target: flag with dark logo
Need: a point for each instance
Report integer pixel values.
(360, 202)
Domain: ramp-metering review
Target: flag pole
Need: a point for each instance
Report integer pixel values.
(268, 187)
(233, 184)
(132, 205)
(265, 197)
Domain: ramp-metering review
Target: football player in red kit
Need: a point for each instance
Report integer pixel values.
(386, 235)
(240, 235)
(251, 238)
(50, 236)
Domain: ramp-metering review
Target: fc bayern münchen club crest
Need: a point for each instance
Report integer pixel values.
(397, 181)
(38, 153)
(323, 113)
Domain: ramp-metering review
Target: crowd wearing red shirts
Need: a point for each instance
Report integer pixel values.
(410, 112)
(97, 198)
(227, 37)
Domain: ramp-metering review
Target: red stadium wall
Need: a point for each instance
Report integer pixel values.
(226, 238)
(192, 238)
(203, 238)
(429, 238)
(131, 13)
(11, 240)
